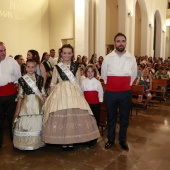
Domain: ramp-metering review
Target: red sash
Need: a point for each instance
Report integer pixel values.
(118, 83)
(8, 90)
(91, 97)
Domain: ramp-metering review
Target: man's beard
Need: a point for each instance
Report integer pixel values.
(120, 48)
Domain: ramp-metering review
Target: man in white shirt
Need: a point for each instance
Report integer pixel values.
(51, 59)
(119, 70)
(9, 75)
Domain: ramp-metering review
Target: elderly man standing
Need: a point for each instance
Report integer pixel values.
(9, 74)
(119, 70)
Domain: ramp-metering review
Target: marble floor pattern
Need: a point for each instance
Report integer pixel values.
(148, 139)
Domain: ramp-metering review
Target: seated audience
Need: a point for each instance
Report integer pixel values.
(99, 64)
(160, 74)
(93, 59)
(84, 61)
(145, 80)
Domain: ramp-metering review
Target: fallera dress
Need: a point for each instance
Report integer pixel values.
(68, 118)
(27, 132)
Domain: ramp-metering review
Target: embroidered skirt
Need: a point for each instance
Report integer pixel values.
(70, 126)
(28, 133)
(68, 118)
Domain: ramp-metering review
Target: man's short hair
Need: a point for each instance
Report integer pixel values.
(17, 57)
(31, 61)
(119, 34)
(1, 43)
(52, 50)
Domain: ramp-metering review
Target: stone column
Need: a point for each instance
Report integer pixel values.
(100, 37)
(81, 27)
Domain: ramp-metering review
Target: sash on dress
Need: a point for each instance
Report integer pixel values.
(35, 89)
(69, 74)
(72, 79)
(33, 86)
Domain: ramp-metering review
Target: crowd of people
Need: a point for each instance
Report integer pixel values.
(148, 69)
(56, 99)
(46, 101)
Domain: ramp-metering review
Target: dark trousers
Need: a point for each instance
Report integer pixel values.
(114, 100)
(96, 112)
(7, 107)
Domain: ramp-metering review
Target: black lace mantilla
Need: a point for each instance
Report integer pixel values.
(26, 88)
(73, 69)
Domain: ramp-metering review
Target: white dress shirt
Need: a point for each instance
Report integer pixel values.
(114, 65)
(93, 85)
(9, 71)
(51, 60)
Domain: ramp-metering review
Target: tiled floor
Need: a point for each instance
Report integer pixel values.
(148, 139)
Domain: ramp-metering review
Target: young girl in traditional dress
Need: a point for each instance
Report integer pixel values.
(68, 118)
(31, 97)
(40, 69)
(93, 91)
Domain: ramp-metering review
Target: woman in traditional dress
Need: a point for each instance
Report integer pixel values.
(68, 118)
(31, 96)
